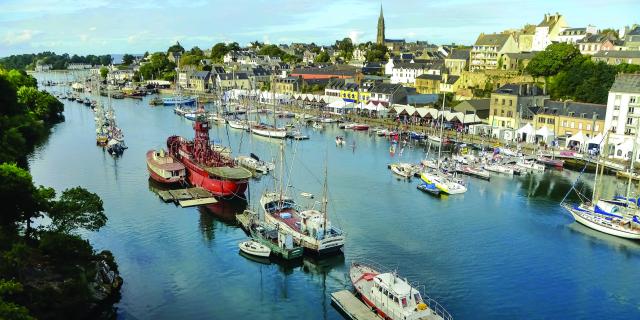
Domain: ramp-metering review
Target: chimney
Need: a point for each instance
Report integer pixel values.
(544, 89)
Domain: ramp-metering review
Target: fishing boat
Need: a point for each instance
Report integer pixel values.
(417, 135)
(392, 297)
(429, 188)
(309, 227)
(445, 184)
(268, 131)
(207, 167)
(404, 170)
(279, 242)
(550, 162)
(164, 168)
(182, 110)
(254, 248)
(297, 135)
(498, 168)
(218, 118)
(254, 164)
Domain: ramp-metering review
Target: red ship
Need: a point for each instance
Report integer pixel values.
(206, 167)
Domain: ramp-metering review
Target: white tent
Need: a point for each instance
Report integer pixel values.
(623, 150)
(596, 141)
(340, 106)
(526, 132)
(544, 133)
(577, 140)
(471, 118)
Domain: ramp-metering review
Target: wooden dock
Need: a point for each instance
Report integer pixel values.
(188, 197)
(351, 307)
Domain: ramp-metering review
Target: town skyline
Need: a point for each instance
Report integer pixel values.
(86, 28)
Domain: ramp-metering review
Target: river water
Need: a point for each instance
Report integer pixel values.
(503, 250)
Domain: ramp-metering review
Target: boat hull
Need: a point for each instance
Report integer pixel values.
(160, 179)
(598, 227)
(218, 187)
(278, 134)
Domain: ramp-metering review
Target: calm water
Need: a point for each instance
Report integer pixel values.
(503, 250)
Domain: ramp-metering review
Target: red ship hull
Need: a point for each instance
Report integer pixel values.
(217, 186)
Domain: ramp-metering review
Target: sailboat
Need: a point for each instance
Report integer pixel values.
(178, 99)
(115, 145)
(437, 177)
(616, 217)
(309, 227)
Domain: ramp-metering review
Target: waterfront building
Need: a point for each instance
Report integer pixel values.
(234, 80)
(617, 57)
(569, 118)
(199, 81)
(385, 94)
(341, 72)
(513, 105)
(623, 112)
(573, 35)
(288, 85)
(488, 50)
(457, 60)
(479, 107)
(43, 67)
(548, 31)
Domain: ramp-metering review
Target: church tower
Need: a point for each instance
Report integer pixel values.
(380, 38)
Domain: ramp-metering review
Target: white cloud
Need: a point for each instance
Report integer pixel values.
(355, 35)
(12, 38)
(92, 29)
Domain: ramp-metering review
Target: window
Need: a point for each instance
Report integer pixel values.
(580, 125)
(564, 123)
(502, 113)
(571, 114)
(509, 114)
(588, 127)
(503, 102)
(597, 127)
(572, 125)
(510, 103)
(630, 108)
(615, 118)
(495, 112)
(632, 100)
(616, 108)
(629, 120)
(627, 131)
(551, 121)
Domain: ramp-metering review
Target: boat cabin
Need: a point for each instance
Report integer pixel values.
(396, 297)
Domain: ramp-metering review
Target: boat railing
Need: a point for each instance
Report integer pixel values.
(374, 265)
(434, 306)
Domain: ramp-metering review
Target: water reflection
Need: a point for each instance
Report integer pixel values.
(626, 246)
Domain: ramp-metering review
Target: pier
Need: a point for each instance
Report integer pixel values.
(188, 197)
(351, 307)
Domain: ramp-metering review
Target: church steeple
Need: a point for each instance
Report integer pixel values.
(380, 37)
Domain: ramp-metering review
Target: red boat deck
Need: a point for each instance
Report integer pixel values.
(291, 222)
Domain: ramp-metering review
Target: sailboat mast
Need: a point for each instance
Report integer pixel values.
(444, 98)
(325, 200)
(633, 157)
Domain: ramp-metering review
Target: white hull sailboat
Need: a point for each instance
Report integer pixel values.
(443, 183)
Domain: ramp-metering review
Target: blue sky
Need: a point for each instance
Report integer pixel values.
(135, 26)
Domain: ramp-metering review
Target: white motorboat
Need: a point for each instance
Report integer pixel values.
(218, 118)
(404, 170)
(445, 184)
(328, 120)
(498, 168)
(239, 124)
(434, 139)
(530, 166)
(318, 126)
(476, 172)
(254, 248)
(254, 164)
(393, 297)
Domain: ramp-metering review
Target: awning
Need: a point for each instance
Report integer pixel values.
(578, 137)
(526, 129)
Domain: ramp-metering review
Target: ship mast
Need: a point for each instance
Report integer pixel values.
(444, 98)
(325, 199)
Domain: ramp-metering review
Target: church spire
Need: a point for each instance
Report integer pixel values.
(380, 36)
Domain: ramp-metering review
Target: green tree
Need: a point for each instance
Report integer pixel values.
(322, 57)
(77, 208)
(195, 51)
(10, 310)
(176, 48)
(376, 53)
(554, 58)
(345, 47)
(43, 105)
(104, 71)
(218, 51)
(128, 59)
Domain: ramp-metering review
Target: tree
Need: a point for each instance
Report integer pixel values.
(176, 48)
(105, 60)
(218, 51)
(10, 310)
(322, 57)
(42, 104)
(195, 51)
(610, 32)
(376, 53)
(554, 58)
(77, 208)
(345, 47)
(128, 59)
(104, 71)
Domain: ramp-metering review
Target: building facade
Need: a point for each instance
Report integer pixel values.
(513, 105)
(488, 49)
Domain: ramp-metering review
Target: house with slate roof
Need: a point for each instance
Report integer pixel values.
(548, 31)
(566, 118)
(617, 57)
(632, 38)
(513, 105)
(573, 35)
(594, 43)
(457, 61)
(488, 49)
(406, 72)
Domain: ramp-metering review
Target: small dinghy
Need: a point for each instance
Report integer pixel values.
(429, 188)
(254, 248)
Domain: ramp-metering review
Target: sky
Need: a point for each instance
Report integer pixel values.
(135, 26)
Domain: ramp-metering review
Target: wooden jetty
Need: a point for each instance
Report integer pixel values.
(188, 197)
(351, 307)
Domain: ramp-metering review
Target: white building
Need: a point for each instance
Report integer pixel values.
(623, 113)
(548, 31)
(573, 35)
(407, 72)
